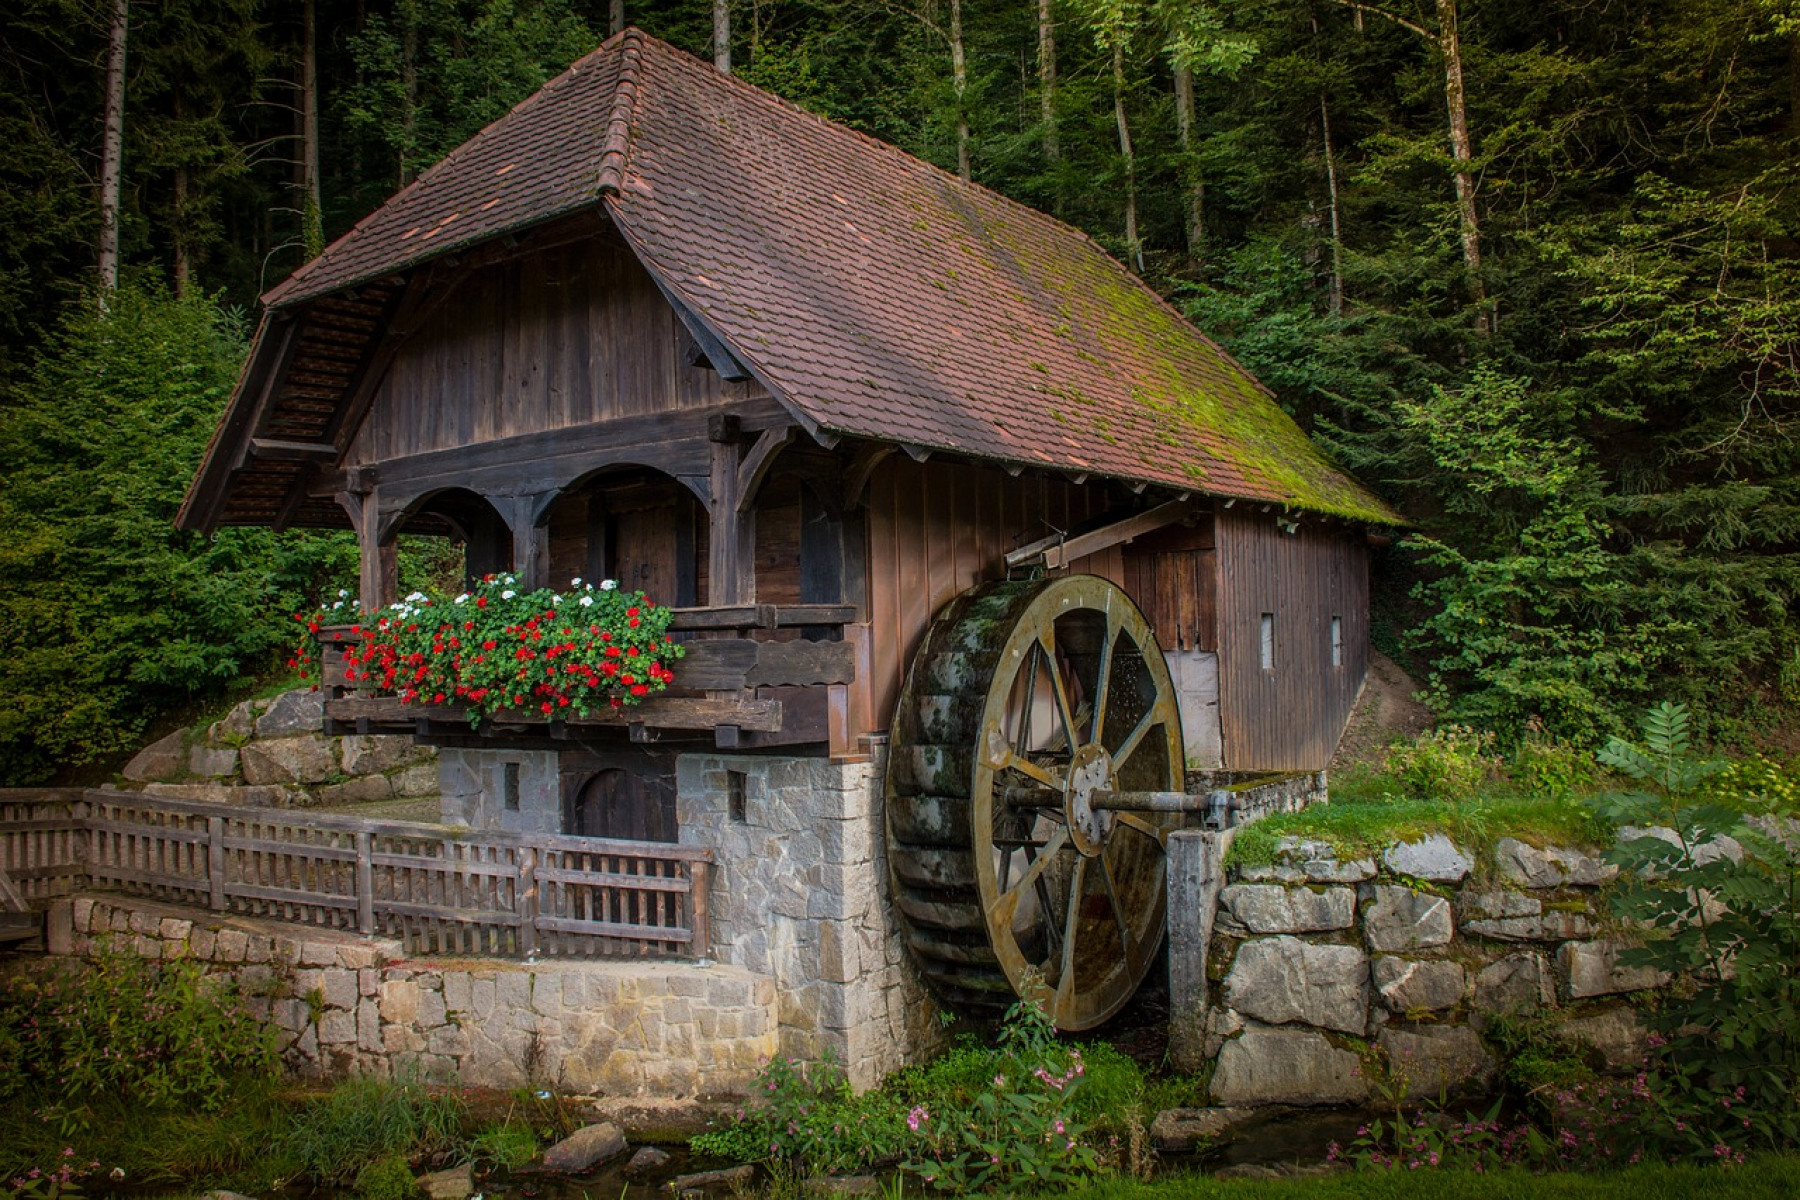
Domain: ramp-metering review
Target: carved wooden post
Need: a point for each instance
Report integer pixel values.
(525, 899)
(531, 541)
(379, 574)
(732, 544)
(1196, 861)
(700, 877)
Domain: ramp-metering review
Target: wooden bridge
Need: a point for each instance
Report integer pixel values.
(439, 889)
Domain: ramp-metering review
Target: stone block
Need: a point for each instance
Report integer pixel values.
(81, 915)
(368, 1026)
(1402, 919)
(1617, 1035)
(448, 1040)
(400, 1002)
(1286, 1066)
(1517, 983)
(1434, 859)
(1593, 969)
(259, 948)
(231, 945)
(236, 726)
(165, 758)
(456, 992)
(305, 758)
(1526, 865)
(1279, 980)
(357, 957)
(421, 780)
(1271, 908)
(1407, 985)
(585, 1148)
(145, 923)
(294, 713)
(454, 1183)
(1184, 1130)
(174, 928)
(215, 762)
(378, 754)
(431, 1010)
(363, 790)
(339, 988)
(318, 954)
(1438, 1060)
(203, 944)
(336, 1027)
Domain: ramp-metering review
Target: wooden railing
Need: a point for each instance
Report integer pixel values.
(438, 890)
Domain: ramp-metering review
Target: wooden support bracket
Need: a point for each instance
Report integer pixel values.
(862, 469)
(1059, 551)
(755, 467)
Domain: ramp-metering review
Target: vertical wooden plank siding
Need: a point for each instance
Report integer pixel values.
(543, 342)
(938, 528)
(1290, 717)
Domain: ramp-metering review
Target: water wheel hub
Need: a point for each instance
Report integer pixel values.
(1090, 771)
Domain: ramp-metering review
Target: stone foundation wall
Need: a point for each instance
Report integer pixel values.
(800, 895)
(1314, 960)
(351, 1005)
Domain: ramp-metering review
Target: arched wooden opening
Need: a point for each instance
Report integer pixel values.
(633, 524)
(636, 803)
(468, 521)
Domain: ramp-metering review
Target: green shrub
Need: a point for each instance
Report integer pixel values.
(157, 1035)
(387, 1178)
(1448, 763)
(332, 1138)
(507, 1146)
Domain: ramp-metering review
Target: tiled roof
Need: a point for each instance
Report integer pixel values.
(877, 295)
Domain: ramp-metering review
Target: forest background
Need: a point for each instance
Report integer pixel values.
(1529, 267)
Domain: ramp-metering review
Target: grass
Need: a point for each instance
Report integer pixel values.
(1368, 813)
(1775, 1177)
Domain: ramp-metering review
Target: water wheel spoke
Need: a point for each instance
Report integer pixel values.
(1060, 691)
(1031, 683)
(1135, 738)
(1033, 771)
(1103, 681)
(1142, 825)
(1006, 905)
(1065, 980)
(1127, 944)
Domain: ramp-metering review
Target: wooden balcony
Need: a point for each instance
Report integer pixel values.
(753, 676)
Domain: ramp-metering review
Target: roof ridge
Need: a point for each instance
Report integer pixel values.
(615, 149)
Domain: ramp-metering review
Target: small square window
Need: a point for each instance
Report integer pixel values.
(734, 796)
(509, 786)
(1268, 641)
(1337, 641)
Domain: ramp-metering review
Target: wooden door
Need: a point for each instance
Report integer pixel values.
(617, 802)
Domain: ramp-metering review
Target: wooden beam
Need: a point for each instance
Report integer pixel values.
(425, 293)
(862, 469)
(276, 450)
(1058, 551)
(11, 899)
(756, 465)
(661, 712)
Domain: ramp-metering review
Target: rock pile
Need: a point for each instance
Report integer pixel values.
(275, 754)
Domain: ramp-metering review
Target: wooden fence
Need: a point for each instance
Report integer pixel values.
(439, 890)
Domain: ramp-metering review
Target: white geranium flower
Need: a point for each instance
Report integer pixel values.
(575, 582)
(587, 602)
(462, 599)
(607, 585)
(508, 594)
(343, 593)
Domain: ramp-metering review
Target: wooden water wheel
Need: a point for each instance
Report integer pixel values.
(1034, 774)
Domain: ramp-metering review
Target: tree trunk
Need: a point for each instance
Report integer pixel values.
(1331, 189)
(1450, 42)
(1190, 168)
(1131, 223)
(112, 148)
(616, 16)
(1047, 79)
(722, 35)
(959, 77)
(409, 88)
(312, 235)
(183, 270)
